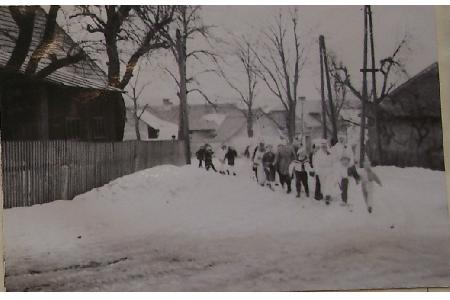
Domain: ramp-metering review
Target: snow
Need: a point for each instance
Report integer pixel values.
(166, 129)
(184, 229)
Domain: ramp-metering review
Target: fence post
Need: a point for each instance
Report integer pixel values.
(65, 183)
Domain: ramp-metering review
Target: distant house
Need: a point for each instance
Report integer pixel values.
(150, 127)
(307, 121)
(74, 102)
(204, 119)
(233, 131)
(410, 121)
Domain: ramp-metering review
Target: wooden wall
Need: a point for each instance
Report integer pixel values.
(36, 172)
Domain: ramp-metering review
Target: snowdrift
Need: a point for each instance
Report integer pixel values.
(405, 242)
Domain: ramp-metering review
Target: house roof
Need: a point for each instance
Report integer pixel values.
(231, 126)
(417, 97)
(157, 123)
(201, 116)
(234, 127)
(310, 107)
(85, 74)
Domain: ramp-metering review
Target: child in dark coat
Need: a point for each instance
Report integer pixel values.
(268, 161)
(230, 157)
(200, 154)
(299, 169)
(208, 158)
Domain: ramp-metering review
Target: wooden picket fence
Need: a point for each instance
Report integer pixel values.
(36, 172)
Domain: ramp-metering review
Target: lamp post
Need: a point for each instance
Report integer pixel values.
(302, 102)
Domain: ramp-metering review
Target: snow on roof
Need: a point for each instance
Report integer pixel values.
(166, 129)
(201, 116)
(85, 74)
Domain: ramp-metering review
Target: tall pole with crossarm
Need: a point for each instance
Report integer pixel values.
(368, 37)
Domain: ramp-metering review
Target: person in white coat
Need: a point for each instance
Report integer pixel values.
(368, 178)
(322, 162)
(258, 163)
(221, 157)
(344, 163)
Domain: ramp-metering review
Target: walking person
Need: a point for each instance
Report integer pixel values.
(230, 157)
(258, 163)
(221, 157)
(254, 164)
(322, 165)
(209, 158)
(337, 152)
(341, 173)
(368, 178)
(299, 169)
(200, 154)
(269, 166)
(285, 155)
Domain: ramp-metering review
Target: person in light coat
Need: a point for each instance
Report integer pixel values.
(258, 163)
(323, 164)
(368, 180)
(221, 157)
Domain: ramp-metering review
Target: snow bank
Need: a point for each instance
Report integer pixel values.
(263, 229)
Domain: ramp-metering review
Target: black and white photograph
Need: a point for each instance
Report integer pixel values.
(222, 148)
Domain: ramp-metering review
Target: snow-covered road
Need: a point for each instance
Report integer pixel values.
(182, 229)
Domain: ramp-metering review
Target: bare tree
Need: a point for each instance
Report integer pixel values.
(339, 95)
(136, 89)
(281, 60)
(388, 67)
(247, 62)
(188, 26)
(128, 33)
(51, 51)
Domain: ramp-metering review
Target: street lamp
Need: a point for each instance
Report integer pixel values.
(302, 101)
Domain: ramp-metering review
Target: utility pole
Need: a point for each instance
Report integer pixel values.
(374, 83)
(184, 122)
(324, 69)
(368, 30)
(322, 91)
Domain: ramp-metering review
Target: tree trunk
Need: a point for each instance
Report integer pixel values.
(291, 122)
(184, 114)
(136, 120)
(250, 123)
(114, 80)
(333, 117)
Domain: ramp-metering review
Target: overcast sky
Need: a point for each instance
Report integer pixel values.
(342, 27)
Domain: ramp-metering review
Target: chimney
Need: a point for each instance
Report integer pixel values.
(167, 102)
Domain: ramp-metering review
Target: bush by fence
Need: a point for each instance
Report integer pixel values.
(36, 172)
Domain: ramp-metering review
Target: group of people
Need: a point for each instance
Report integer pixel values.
(330, 166)
(226, 156)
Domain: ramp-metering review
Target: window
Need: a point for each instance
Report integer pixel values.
(72, 127)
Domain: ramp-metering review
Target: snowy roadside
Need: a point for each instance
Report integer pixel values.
(180, 228)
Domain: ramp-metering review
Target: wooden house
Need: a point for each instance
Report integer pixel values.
(74, 102)
(410, 124)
